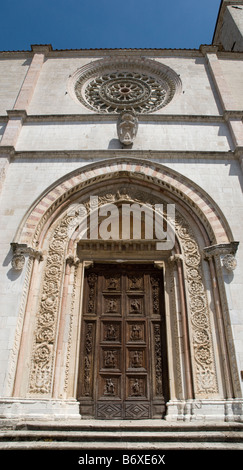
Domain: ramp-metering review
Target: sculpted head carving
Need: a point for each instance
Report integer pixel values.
(127, 127)
(18, 261)
(19, 252)
(229, 262)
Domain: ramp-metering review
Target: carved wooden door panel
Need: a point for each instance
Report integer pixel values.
(123, 363)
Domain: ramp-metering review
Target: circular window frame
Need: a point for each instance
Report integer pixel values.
(90, 82)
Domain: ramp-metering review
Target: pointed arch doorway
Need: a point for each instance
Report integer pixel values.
(123, 372)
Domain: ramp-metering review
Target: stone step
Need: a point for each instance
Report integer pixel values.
(114, 425)
(121, 435)
(85, 436)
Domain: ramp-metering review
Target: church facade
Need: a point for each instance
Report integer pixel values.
(122, 242)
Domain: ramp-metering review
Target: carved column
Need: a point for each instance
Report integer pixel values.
(184, 318)
(45, 337)
(62, 363)
(205, 380)
(24, 342)
(223, 256)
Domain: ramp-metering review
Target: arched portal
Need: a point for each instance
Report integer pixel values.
(54, 359)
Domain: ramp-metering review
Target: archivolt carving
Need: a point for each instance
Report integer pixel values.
(159, 176)
(204, 365)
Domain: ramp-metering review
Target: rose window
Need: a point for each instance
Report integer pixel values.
(123, 91)
(140, 86)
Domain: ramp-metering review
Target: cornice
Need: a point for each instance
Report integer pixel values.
(111, 53)
(95, 155)
(95, 117)
(101, 53)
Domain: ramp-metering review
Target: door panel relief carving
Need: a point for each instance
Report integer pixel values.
(129, 364)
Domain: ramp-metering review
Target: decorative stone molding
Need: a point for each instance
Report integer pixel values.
(34, 410)
(203, 361)
(111, 170)
(47, 317)
(114, 84)
(230, 410)
(71, 324)
(19, 252)
(127, 126)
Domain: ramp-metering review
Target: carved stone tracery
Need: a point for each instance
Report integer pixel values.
(114, 85)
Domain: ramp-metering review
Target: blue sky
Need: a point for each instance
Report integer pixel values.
(84, 24)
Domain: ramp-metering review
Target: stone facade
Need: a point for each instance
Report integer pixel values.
(144, 126)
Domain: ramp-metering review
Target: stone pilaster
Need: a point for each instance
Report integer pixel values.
(18, 114)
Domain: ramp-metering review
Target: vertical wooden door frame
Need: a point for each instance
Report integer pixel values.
(146, 373)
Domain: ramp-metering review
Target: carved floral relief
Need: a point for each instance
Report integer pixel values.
(47, 315)
(204, 363)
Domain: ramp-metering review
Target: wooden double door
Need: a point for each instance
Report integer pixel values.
(123, 360)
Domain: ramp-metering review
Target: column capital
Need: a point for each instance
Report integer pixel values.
(220, 249)
(225, 250)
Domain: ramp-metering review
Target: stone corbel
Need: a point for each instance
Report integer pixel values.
(176, 258)
(20, 250)
(226, 251)
(72, 260)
